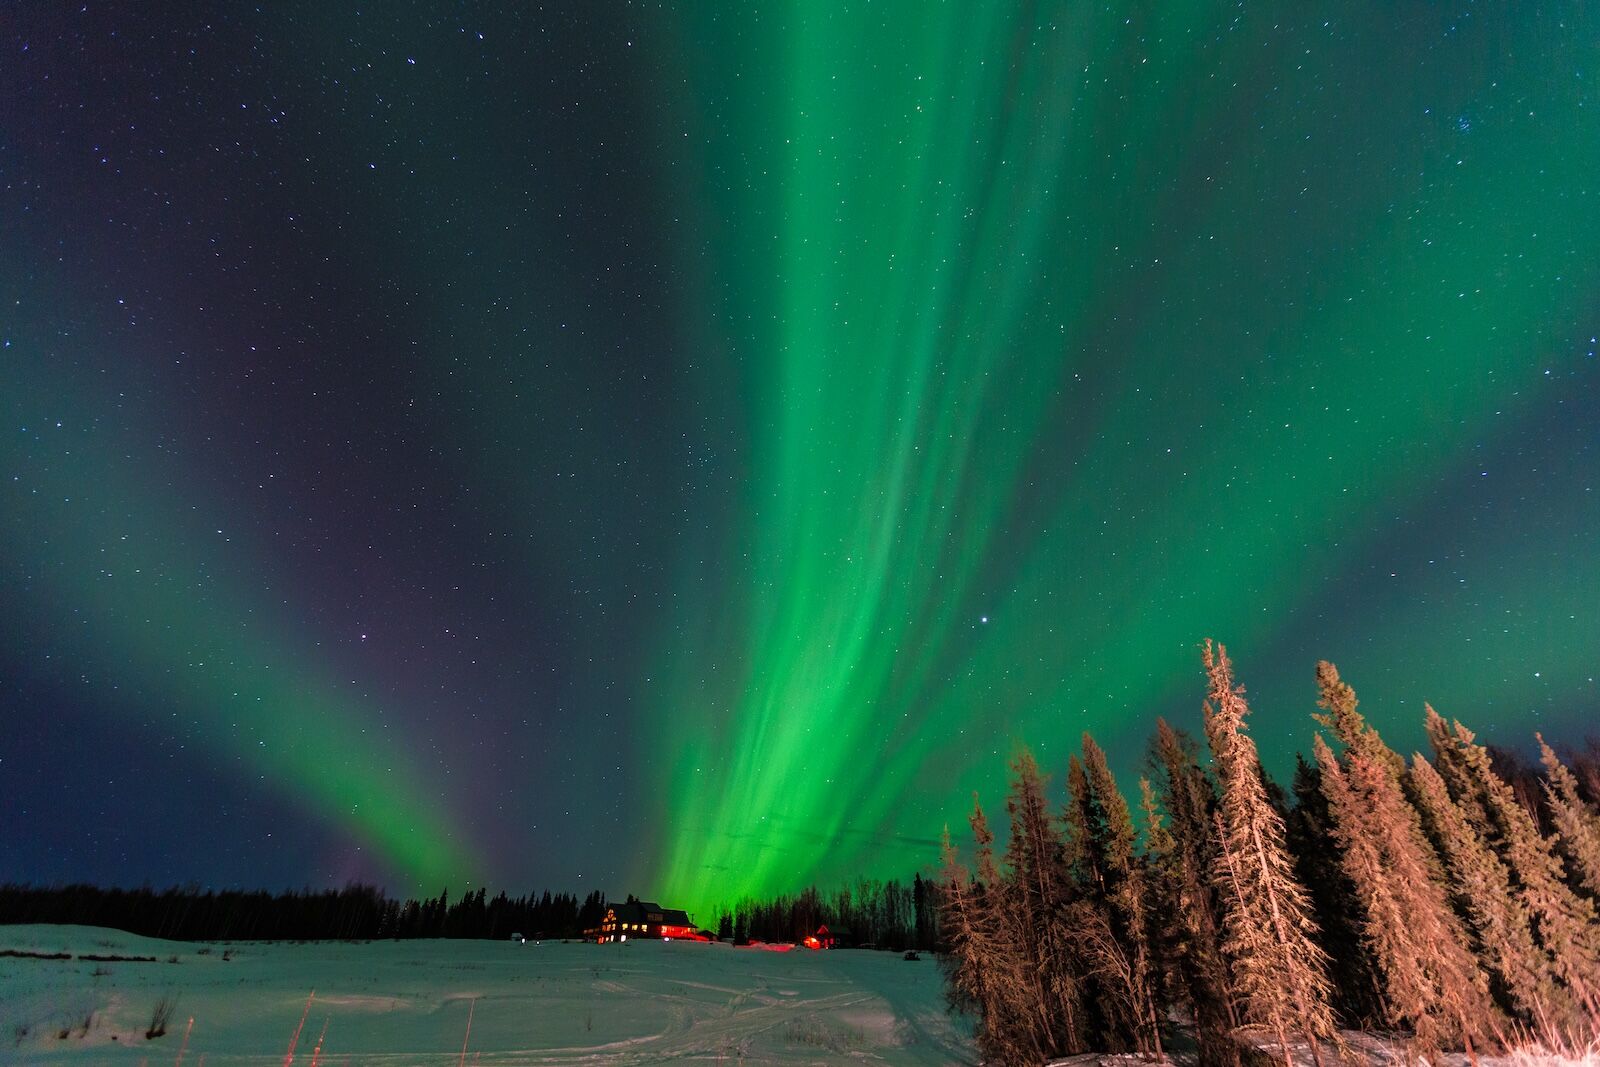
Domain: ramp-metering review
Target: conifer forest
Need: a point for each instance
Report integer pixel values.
(1442, 901)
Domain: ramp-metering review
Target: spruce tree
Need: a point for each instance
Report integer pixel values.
(1309, 834)
(1127, 894)
(970, 985)
(1452, 768)
(1279, 971)
(1099, 959)
(1037, 862)
(1161, 897)
(1017, 1022)
(1432, 983)
(1577, 824)
(1085, 838)
(1195, 918)
(1494, 909)
(1565, 923)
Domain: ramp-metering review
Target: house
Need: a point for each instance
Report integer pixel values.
(643, 920)
(838, 937)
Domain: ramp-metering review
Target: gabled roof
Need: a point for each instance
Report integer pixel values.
(648, 911)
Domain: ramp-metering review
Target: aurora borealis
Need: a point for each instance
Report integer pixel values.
(684, 450)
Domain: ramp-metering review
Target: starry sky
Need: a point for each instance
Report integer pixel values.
(684, 449)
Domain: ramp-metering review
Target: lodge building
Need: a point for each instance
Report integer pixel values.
(643, 920)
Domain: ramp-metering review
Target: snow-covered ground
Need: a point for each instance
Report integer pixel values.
(408, 1002)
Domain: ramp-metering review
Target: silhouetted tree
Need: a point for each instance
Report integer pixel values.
(1038, 892)
(1125, 905)
(1308, 831)
(1191, 904)
(1017, 1026)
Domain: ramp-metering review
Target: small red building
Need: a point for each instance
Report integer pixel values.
(825, 938)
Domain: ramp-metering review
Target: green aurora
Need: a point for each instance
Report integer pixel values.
(251, 695)
(1086, 332)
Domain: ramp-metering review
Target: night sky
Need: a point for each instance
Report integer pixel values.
(685, 449)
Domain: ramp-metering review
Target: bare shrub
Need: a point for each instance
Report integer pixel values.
(161, 1015)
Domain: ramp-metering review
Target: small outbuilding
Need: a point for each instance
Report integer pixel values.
(838, 937)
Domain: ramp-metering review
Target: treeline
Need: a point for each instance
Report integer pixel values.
(1445, 898)
(355, 912)
(890, 915)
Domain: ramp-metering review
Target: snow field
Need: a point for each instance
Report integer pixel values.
(409, 1002)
